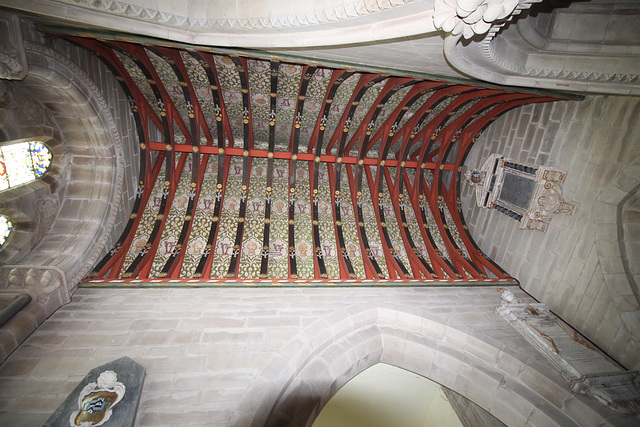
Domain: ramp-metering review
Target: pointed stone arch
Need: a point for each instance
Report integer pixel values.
(613, 244)
(504, 380)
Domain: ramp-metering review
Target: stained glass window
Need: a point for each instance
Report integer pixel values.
(23, 162)
(5, 229)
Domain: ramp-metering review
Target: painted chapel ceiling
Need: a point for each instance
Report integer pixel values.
(255, 168)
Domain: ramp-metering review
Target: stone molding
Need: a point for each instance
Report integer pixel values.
(587, 370)
(526, 54)
(347, 9)
(357, 21)
(47, 287)
(470, 414)
(615, 264)
(299, 381)
(547, 200)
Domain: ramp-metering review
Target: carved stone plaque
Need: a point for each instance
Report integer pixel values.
(107, 396)
(97, 401)
(526, 193)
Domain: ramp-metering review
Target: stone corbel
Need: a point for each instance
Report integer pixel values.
(588, 371)
(45, 285)
(13, 60)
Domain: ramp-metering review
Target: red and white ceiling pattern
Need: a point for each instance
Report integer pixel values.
(261, 170)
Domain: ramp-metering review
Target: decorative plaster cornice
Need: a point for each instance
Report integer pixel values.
(359, 21)
(303, 17)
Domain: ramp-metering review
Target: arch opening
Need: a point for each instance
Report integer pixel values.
(384, 395)
(310, 371)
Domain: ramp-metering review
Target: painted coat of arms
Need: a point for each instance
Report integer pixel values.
(96, 401)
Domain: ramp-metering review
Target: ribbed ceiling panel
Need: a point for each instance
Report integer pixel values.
(259, 171)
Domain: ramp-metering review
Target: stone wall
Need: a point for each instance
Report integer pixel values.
(118, 105)
(66, 220)
(576, 266)
(241, 357)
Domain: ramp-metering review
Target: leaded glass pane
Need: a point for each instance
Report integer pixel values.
(23, 162)
(5, 229)
(41, 157)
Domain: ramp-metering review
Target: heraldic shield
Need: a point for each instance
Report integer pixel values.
(96, 401)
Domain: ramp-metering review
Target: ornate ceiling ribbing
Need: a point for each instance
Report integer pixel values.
(259, 171)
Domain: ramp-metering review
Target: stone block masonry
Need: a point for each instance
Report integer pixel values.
(221, 357)
(576, 267)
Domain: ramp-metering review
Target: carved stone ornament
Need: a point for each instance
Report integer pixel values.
(44, 284)
(9, 65)
(13, 62)
(475, 177)
(619, 391)
(471, 17)
(96, 401)
(48, 209)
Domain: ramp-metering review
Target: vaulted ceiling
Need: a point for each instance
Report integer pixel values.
(256, 168)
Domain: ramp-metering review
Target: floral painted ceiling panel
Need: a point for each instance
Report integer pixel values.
(261, 171)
